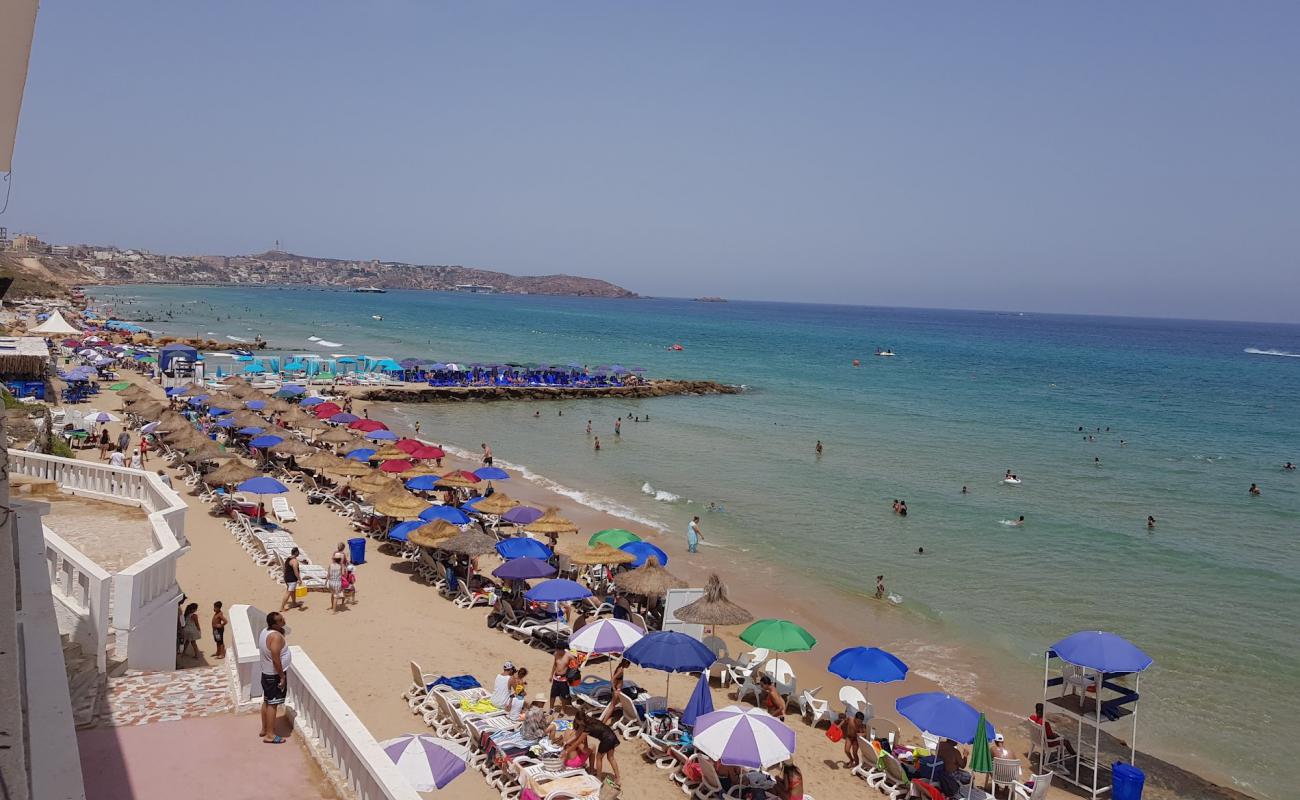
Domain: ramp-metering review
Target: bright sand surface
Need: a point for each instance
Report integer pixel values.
(366, 649)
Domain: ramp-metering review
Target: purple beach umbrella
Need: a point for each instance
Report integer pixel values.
(426, 762)
(522, 515)
(744, 737)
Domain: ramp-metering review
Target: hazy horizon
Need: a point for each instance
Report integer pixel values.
(1104, 159)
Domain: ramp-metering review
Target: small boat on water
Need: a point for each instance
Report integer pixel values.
(370, 290)
(884, 353)
(376, 316)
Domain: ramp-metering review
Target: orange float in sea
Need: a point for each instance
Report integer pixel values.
(857, 363)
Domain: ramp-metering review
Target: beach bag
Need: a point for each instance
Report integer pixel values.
(300, 592)
(610, 790)
(692, 771)
(835, 733)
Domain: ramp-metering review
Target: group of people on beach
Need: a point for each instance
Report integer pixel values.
(189, 630)
(340, 580)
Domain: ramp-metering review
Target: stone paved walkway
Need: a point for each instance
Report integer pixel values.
(168, 696)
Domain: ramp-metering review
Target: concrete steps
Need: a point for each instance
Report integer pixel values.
(87, 687)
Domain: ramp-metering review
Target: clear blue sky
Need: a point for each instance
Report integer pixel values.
(1127, 158)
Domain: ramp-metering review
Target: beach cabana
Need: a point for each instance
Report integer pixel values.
(1090, 686)
(54, 325)
(179, 365)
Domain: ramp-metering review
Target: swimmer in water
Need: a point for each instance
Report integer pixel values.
(1008, 475)
(1020, 522)
(1151, 522)
(1254, 490)
(880, 587)
(1096, 460)
(902, 508)
(819, 447)
(597, 445)
(588, 427)
(1123, 443)
(1289, 467)
(964, 490)
(920, 551)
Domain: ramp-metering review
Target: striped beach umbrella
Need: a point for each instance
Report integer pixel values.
(744, 737)
(605, 636)
(426, 762)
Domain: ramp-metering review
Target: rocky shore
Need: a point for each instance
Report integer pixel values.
(436, 394)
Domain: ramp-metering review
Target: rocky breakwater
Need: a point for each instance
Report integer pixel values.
(416, 393)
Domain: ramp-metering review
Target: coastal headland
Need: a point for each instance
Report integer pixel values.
(418, 393)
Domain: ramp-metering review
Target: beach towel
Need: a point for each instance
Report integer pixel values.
(458, 682)
(478, 706)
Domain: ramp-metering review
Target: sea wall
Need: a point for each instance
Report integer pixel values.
(438, 394)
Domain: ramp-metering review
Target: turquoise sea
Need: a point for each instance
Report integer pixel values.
(1206, 408)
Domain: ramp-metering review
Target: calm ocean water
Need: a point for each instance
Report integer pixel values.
(1211, 593)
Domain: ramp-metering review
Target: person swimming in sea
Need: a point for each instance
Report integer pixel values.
(597, 445)
(1020, 523)
(880, 587)
(1151, 522)
(1289, 467)
(902, 508)
(920, 551)
(964, 490)
(819, 447)
(1254, 490)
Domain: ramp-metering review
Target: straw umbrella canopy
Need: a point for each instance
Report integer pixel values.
(400, 504)
(133, 391)
(150, 409)
(208, 451)
(388, 453)
(421, 468)
(193, 389)
(278, 405)
(247, 419)
(239, 388)
(171, 421)
(337, 436)
(231, 472)
(651, 580)
(496, 505)
(292, 447)
(470, 543)
(348, 469)
(236, 380)
(714, 608)
(187, 436)
(551, 523)
(603, 554)
(320, 461)
(306, 422)
(433, 534)
(454, 480)
(375, 483)
(227, 403)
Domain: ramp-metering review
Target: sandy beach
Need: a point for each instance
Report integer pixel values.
(366, 649)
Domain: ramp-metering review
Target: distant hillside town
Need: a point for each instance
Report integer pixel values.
(40, 268)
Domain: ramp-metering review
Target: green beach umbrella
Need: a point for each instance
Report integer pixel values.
(980, 758)
(779, 635)
(119, 386)
(614, 537)
(148, 360)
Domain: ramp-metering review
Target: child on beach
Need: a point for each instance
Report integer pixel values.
(853, 728)
(219, 630)
(191, 632)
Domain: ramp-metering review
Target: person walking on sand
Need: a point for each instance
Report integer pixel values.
(334, 582)
(116, 459)
(124, 440)
(417, 428)
(693, 535)
(852, 726)
(291, 576)
(103, 443)
(191, 631)
(144, 449)
(219, 623)
(560, 678)
(137, 462)
(487, 454)
(275, 658)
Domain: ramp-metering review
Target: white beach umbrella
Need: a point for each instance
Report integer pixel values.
(605, 636)
(744, 737)
(426, 762)
(102, 417)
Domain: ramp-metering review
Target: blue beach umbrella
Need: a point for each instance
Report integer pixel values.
(560, 590)
(522, 515)
(701, 701)
(251, 430)
(361, 454)
(422, 483)
(226, 423)
(381, 435)
(217, 412)
(468, 505)
(290, 389)
(1102, 651)
(941, 714)
(254, 369)
(262, 485)
(343, 418)
(449, 513)
(402, 530)
(492, 474)
(523, 547)
(671, 651)
(256, 405)
(869, 664)
(197, 400)
(524, 569)
(265, 441)
(645, 551)
(311, 401)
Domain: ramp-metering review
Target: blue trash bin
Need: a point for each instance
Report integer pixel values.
(1126, 781)
(357, 547)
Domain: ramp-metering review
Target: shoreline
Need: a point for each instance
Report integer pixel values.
(421, 393)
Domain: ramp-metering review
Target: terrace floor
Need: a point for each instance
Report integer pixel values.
(113, 536)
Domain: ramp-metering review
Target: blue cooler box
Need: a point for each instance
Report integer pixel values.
(1126, 781)
(357, 548)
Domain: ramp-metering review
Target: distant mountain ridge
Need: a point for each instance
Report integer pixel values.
(88, 264)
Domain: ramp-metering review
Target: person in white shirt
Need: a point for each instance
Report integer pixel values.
(117, 459)
(136, 463)
(501, 685)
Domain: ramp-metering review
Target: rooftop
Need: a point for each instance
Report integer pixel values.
(112, 535)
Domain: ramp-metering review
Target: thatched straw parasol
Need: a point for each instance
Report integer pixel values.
(230, 473)
(337, 436)
(171, 421)
(227, 403)
(235, 380)
(650, 580)
(551, 523)
(193, 389)
(149, 409)
(239, 389)
(141, 338)
(277, 405)
(713, 608)
(603, 554)
(469, 543)
(400, 504)
(422, 468)
(455, 480)
(208, 451)
(496, 505)
(247, 419)
(375, 483)
(293, 447)
(433, 534)
(306, 423)
(348, 469)
(187, 436)
(388, 453)
(320, 461)
(133, 391)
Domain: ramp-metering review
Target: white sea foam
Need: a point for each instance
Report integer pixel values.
(329, 345)
(236, 338)
(659, 494)
(1255, 351)
(313, 338)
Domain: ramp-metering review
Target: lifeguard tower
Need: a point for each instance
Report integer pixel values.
(1086, 677)
(179, 365)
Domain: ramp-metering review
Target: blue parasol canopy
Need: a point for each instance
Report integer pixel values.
(265, 441)
(217, 412)
(251, 430)
(290, 389)
(262, 485)
(256, 405)
(671, 651)
(941, 714)
(869, 664)
(523, 547)
(343, 418)
(492, 474)
(311, 401)
(524, 569)
(382, 435)
(561, 591)
(361, 454)
(701, 701)
(449, 513)
(402, 530)
(644, 551)
(226, 423)
(1102, 651)
(522, 515)
(422, 483)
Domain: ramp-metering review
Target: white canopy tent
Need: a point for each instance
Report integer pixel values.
(56, 325)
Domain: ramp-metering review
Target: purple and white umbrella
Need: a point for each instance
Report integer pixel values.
(426, 762)
(605, 636)
(744, 737)
(102, 417)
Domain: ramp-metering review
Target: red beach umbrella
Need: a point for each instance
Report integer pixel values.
(367, 425)
(326, 410)
(426, 451)
(408, 445)
(396, 465)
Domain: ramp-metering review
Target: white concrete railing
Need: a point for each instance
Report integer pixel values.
(144, 613)
(335, 736)
(81, 589)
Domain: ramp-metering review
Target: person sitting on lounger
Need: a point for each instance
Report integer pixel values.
(954, 768)
(1049, 735)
